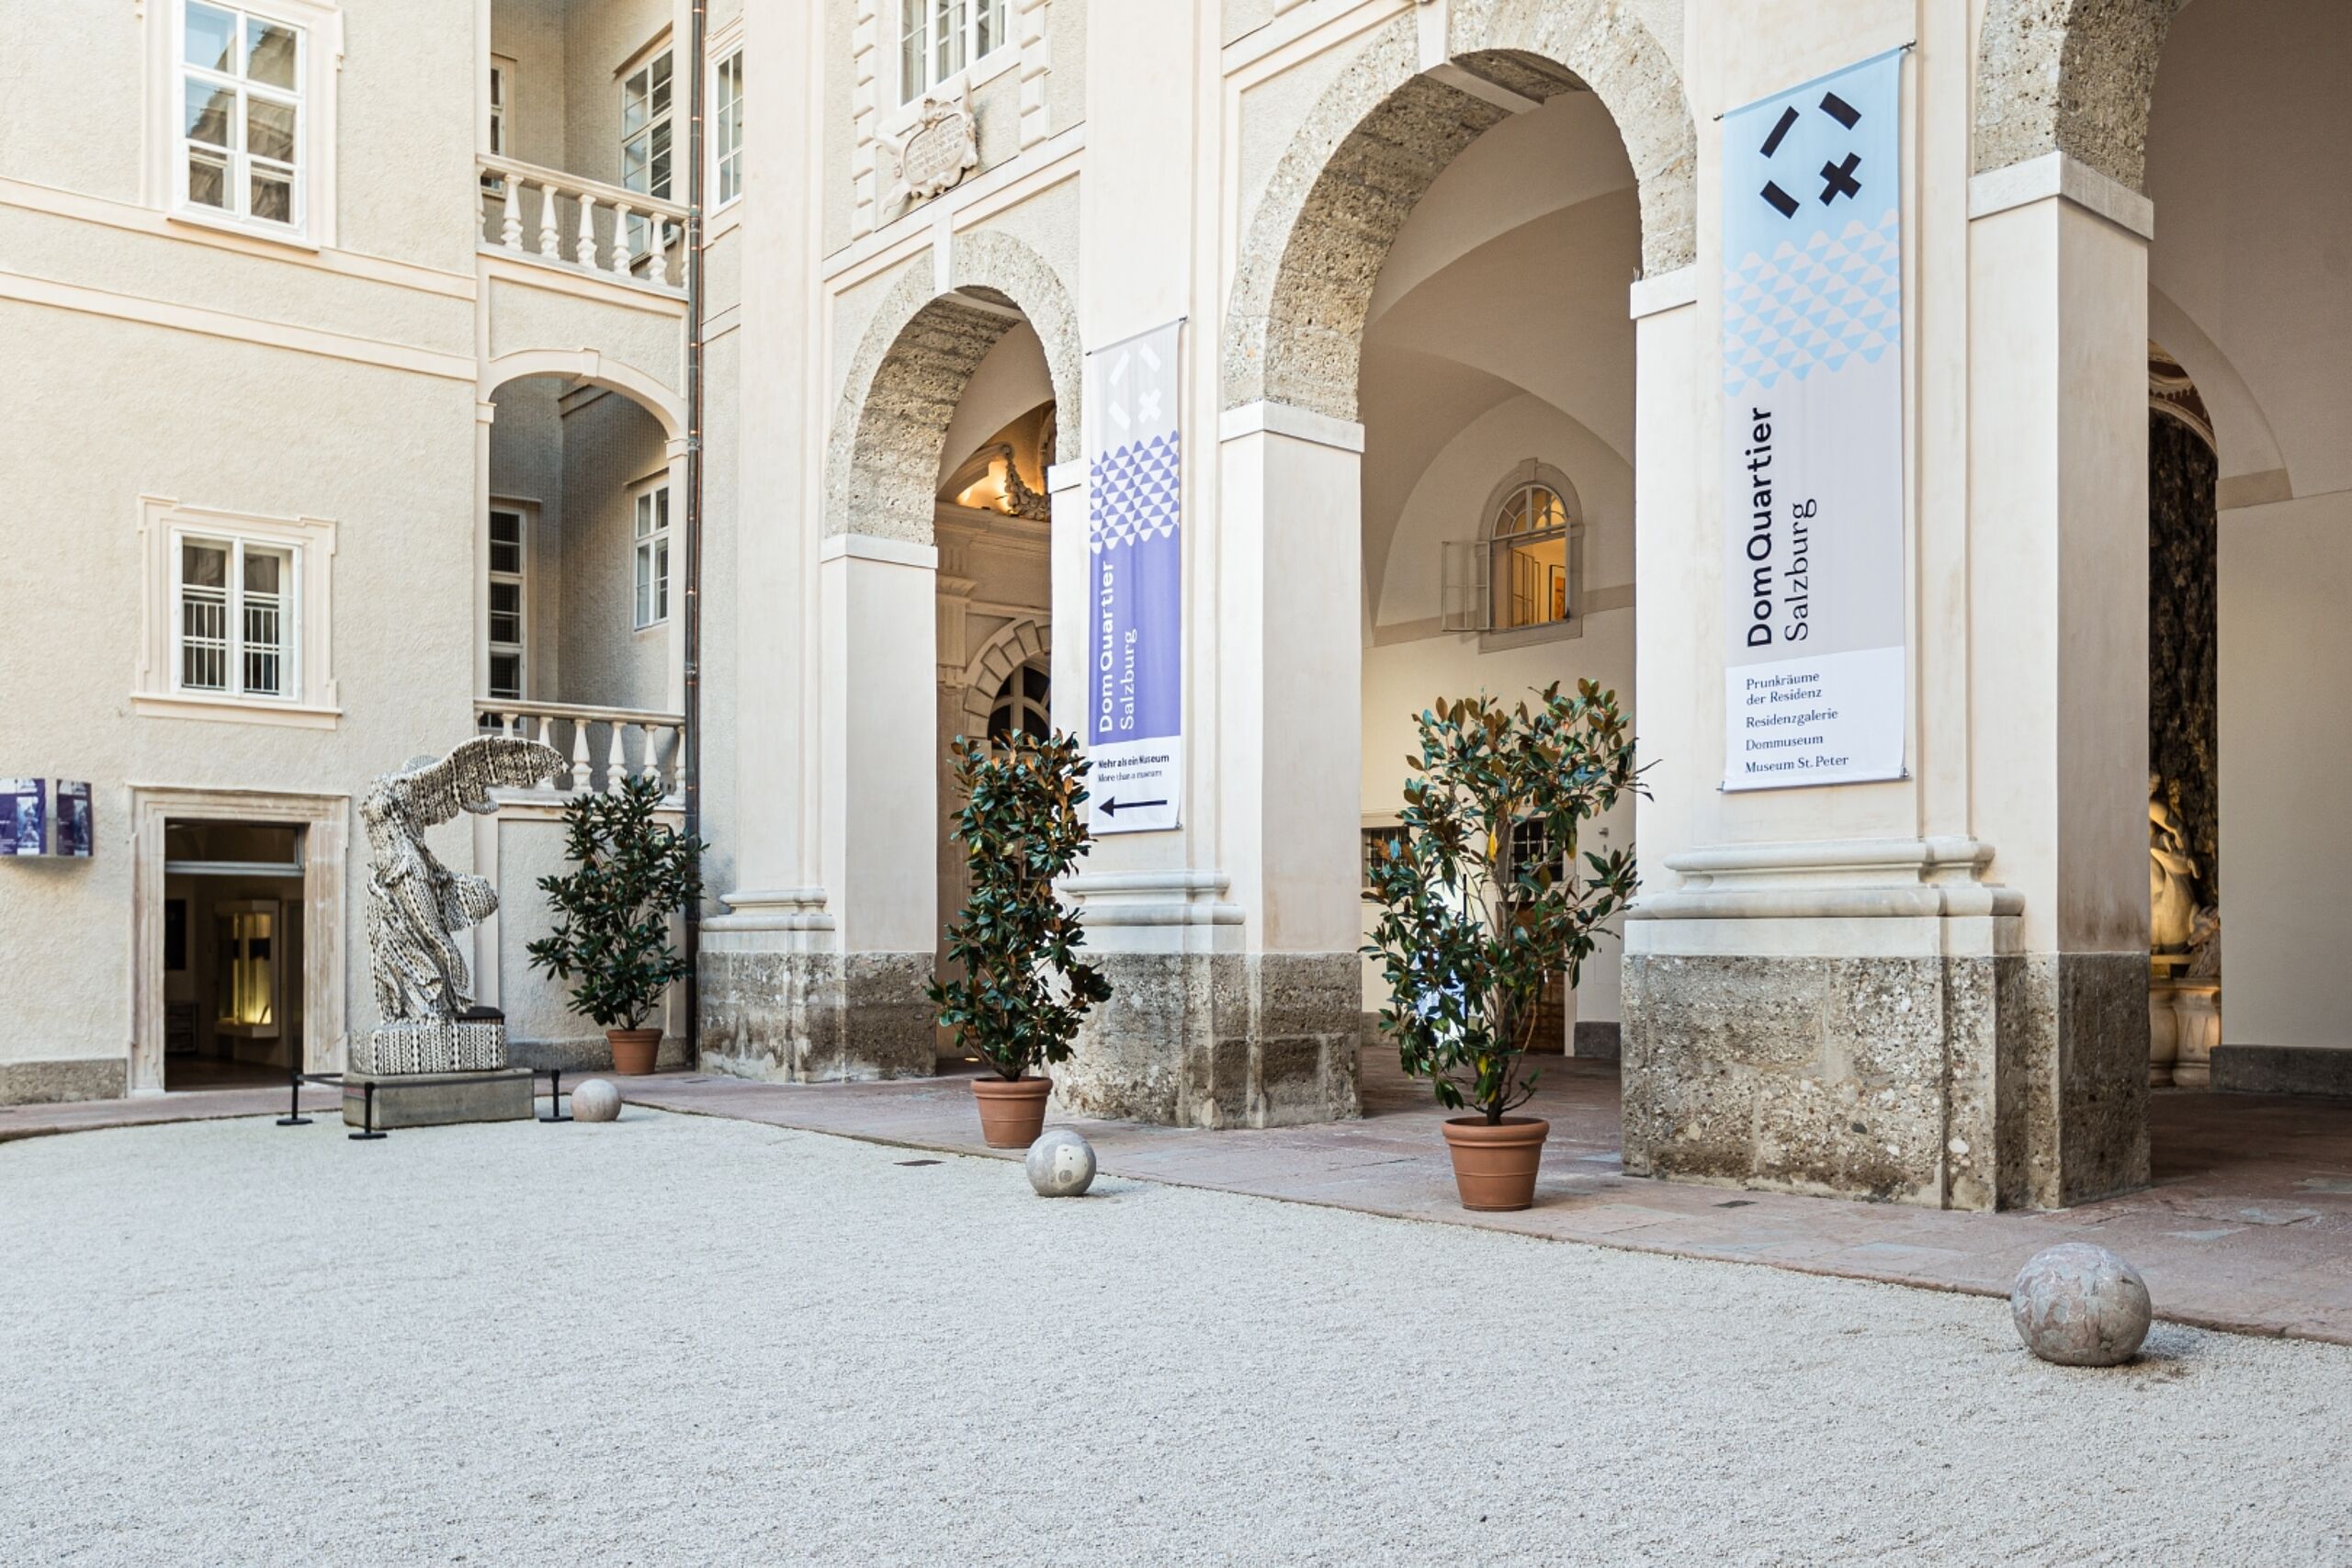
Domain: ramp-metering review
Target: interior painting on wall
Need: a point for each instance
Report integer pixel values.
(1815, 650)
(21, 829)
(1134, 646)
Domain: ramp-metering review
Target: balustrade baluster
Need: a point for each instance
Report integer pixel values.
(621, 256)
(580, 780)
(653, 732)
(510, 229)
(550, 246)
(586, 255)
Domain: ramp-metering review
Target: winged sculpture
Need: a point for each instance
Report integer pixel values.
(416, 906)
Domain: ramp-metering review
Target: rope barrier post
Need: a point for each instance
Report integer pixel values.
(294, 1117)
(366, 1115)
(556, 1112)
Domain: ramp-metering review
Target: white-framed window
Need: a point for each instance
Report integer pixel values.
(938, 38)
(648, 101)
(727, 129)
(1521, 572)
(236, 613)
(507, 631)
(501, 104)
(653, 554)
(242, 121)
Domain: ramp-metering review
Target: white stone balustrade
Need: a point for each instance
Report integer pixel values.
(546, 215)
(600, 745)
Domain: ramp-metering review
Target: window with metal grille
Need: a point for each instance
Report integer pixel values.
(234, 629)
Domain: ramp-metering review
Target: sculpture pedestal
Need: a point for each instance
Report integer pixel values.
(435, 1100)
(2197, 1004)
(427, 1072)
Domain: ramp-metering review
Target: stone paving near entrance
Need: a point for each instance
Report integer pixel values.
(2247, 1225)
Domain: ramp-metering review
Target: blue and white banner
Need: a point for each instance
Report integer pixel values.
(1815, 650)
(1135, 729)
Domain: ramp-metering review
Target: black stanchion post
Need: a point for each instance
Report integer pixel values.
(556, 1112)
(294, 1117)
(366, 1115)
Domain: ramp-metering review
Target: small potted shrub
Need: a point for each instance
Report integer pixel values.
(631, 872)
(1482, 897)
(1023, 989)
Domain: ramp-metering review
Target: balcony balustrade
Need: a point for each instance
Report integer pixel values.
(560, 220)
(602, 746)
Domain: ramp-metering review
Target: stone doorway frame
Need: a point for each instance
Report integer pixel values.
(325, 822)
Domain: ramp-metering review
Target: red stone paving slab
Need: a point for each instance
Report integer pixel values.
(2248, 1226)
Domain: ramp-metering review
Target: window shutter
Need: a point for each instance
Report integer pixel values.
(1468, 602)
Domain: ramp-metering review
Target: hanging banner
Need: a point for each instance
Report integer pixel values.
(1134, 644)
(1813, 633)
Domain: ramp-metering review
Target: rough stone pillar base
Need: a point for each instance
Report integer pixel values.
(1962, 1082)
(1220, 1040)
(814, 1017)
(1856, 1018)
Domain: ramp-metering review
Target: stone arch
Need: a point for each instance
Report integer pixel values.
(1385, 128)
(1013, 646)
(910, 369)
(587, 364)
(2072, 77)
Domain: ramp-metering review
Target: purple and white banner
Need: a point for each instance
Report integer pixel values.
(1816, 644)
(1135, 658)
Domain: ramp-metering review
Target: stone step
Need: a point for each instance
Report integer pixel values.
(2283, 1069)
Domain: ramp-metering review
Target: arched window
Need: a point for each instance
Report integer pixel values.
(1528, 570)
(1022, 707)
(1523, 570)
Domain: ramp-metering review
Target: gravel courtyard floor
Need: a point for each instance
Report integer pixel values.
(684, 1339)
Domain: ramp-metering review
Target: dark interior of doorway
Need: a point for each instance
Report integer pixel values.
(232, 953)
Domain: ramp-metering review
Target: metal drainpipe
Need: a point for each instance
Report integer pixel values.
(691, 770)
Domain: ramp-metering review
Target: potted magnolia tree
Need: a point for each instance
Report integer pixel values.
(632, 874)
(1022, 990)
(1482, 897)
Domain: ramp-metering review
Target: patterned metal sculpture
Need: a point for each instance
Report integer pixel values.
(416, 906)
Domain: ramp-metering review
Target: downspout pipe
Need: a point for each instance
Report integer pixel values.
(690, 770)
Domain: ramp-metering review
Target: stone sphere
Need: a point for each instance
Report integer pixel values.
(596, 1100)
(2080, 1305)
(1061, 1164)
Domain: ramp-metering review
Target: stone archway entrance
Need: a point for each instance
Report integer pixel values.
(845, 999)
(1250, 961)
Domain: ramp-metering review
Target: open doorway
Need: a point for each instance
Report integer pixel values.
(233, 917)
(1496, 392)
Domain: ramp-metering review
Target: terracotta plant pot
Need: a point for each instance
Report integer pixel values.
(1011, 1113)
(1495, 1167)
(634, 1050)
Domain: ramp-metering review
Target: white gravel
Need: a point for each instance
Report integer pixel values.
(685, 1340)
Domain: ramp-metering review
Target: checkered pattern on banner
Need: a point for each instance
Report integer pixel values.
(1815, 306)
(1134, 492)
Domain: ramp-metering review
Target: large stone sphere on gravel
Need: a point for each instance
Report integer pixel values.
(596, 1100)
(2080, 1305)
(1061, 1164)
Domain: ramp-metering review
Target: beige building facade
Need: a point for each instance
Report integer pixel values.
(420, 333)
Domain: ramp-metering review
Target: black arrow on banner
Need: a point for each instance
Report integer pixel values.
(1113, 806)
